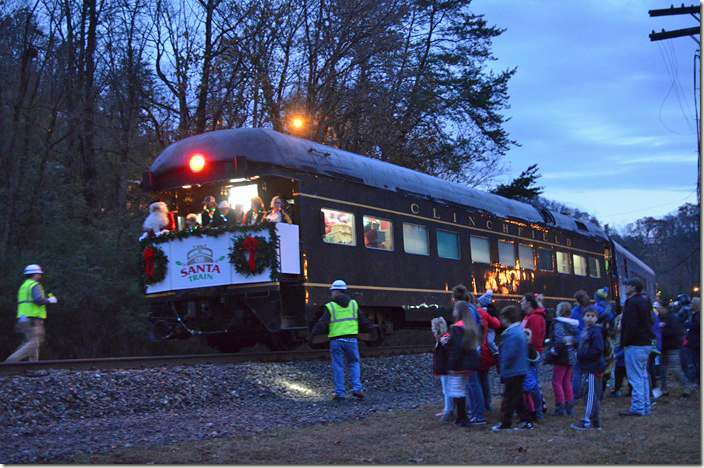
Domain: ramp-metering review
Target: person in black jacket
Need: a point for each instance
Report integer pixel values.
(590, 353)
(637, 339)
(463, 357)
(672, 333)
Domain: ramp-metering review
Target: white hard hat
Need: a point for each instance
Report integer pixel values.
(32, 269)
(339, 284)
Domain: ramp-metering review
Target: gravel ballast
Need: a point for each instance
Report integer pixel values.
(69, 413)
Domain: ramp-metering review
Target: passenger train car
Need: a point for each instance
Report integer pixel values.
(399, 238)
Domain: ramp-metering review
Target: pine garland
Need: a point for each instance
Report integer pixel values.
(209, 232)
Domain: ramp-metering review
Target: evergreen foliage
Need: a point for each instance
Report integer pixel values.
(523, 187)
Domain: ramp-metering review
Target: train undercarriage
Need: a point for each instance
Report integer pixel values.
(231, 322)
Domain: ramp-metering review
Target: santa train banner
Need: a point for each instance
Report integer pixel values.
(202, 261)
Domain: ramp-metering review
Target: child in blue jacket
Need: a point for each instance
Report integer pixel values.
(513, 357)
(590, 355)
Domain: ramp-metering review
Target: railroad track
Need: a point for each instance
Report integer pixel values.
(141, 362)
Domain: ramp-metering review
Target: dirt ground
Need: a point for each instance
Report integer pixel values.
(671, 435)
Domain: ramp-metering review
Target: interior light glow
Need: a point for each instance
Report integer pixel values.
(197, 162)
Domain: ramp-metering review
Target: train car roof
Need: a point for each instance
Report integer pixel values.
(633, 258)
(270, 147)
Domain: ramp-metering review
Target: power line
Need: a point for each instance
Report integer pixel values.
(675, 88)
(692, 32)
(649, 208)
(681, 261)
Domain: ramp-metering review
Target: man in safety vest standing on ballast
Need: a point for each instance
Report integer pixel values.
(344, 320)
(31, 313)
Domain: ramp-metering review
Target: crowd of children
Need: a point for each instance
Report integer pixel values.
(583, 347)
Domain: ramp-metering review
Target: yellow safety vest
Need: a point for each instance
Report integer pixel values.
(25, 303)
(343, 320)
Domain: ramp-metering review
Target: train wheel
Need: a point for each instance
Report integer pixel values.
(377, 338)
(161, 330)
(281, 342)
(225, 343)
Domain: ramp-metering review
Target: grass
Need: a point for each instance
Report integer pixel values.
(672, 435)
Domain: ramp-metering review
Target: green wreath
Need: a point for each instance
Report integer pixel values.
(153, 265)
(263, 254)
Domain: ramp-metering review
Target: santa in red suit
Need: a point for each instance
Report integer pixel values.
(159, 221)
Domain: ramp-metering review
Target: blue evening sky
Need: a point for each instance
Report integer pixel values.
(608, 115)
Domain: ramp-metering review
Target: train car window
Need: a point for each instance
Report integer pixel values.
(415, 239)
(480, 249)
(563, 262)
(378, 233)
(525, 257)
(545, 260)
(507, 253)
(580, 265)
(594, 268)
(448, 245)
(339, 227)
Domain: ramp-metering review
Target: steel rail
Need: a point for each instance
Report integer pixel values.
(142, 362)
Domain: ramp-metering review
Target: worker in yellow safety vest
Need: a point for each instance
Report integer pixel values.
(343, 320)
(31, 313)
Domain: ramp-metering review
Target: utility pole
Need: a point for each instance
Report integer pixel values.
(696, 13)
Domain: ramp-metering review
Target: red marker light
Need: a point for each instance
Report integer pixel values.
(197, 162)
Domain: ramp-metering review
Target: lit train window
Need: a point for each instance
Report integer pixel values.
(507, 253)
(580, 265)
(480, 249)
(545, 260)
(415, 239)
(448, 245)
(594, 268)
(378, 233)
(339, 227)
(563, 262)
(525, 257)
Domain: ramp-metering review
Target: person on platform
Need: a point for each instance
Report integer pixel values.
(210, 206)
(277, 213)
(159, 221)
(256, 212)
(192, 223)
(224, 217)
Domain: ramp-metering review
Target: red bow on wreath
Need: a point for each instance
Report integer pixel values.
(250, 245)
(148, 262)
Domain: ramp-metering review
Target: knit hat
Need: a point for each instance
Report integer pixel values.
(224, 204)
(602, 293)
(485, 299)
